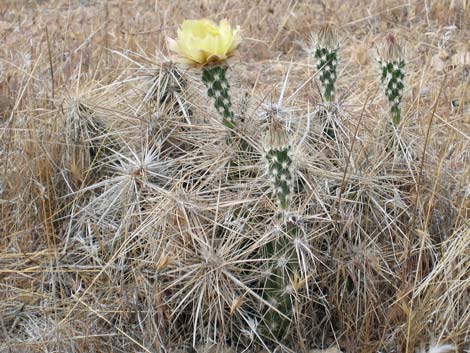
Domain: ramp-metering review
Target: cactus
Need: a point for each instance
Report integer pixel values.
(278, 288)
(203, 43)
(281, 285)
(393, 73)
(326, 53)
(218, 88)
(278, 155)
(278, 292)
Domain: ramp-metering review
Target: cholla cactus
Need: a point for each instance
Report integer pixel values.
(326, 53)
(392, 65)
(278, 155)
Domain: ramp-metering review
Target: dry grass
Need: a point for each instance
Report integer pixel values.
(130, 224)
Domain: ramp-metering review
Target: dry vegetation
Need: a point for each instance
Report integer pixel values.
(130, 223)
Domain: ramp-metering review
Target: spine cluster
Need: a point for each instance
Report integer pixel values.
(86, 130)
(218, 88)
(168, 90)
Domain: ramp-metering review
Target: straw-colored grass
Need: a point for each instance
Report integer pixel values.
(129, 222)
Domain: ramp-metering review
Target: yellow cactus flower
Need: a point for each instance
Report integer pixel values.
(201, 42)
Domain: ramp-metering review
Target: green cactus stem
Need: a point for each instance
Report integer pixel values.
(393, 74)
(278, 288)
(326, 54)
(278, 155)
(326, 63)
(326, 47)
(218, 89)
(392, 65)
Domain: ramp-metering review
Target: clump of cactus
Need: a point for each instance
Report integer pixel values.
(326, 54)
(392, 65)
(179, 231)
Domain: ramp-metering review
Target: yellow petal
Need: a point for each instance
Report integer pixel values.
(226, 37)
(185, 43)
(237, 39)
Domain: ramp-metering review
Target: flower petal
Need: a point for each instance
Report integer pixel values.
(226, 37)
(237, 39)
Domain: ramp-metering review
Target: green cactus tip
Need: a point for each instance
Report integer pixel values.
(279, 158)
(392, 75)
